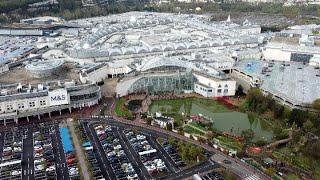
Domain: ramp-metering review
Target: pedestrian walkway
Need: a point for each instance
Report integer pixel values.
(78, 148)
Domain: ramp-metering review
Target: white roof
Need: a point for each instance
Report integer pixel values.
(10, 163)
(147, 152)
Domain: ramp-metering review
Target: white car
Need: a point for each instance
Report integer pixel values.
(51, 168)
(132, 176)
(18, 143)
(39, 167)
(38, 161)
(47, 145)
(73, 171)
(15, 173)
(141, 137)
(7, 149)
(17, 149)
(100, 132)
(98, 127)
(38, 147)
(37, 155)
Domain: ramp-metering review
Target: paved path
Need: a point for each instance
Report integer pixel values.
(80, 155)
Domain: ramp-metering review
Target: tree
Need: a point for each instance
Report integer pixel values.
(313, 149)
(291, 12)
(308, 126)
(279, 133)
(318, 11)
(278, 111)
(261, 143)
(67, 4)
(247, 135)
(270, 171)
(298, 117)
(239, 90)
(149, 120)
(169, 127)
(316, 104)
(172, 141)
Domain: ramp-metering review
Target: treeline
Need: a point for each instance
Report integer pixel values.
(93, 11)
(13, 11)
(189, 153)
(242, 7)
(72, 9)
(9, 5)
(307, 120)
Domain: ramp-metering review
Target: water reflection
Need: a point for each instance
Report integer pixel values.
(225, 121)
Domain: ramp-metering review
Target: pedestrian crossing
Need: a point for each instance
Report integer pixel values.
(252, 177)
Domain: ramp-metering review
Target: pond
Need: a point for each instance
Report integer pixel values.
(134, 105)
(224, 120)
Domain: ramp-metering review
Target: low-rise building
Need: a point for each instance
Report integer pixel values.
(162, 121)
(27, 101)
(209, 86)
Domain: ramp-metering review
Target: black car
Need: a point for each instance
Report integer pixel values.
(227, 161)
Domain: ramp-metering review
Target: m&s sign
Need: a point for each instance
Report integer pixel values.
(58, 97)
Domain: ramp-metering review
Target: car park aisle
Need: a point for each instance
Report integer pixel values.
(144, 172)
(1, 143)
(27, 156)
(100, 155)
(141, 171)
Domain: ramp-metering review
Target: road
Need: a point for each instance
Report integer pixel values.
(27, 157)
(203, 167)
(61, 165)
(241, 169)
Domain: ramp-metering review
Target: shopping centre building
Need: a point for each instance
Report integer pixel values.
(26, 101)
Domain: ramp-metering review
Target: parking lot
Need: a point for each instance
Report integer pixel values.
(119, 152)
(34, 152)
(45, 151)
(213, 176)
(172, 154)
(11, 154)
(148, 155)
(93, 161)
(124, 157)
(112, 158)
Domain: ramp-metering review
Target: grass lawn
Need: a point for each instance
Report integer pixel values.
(230, 143)
(317, 174)
(292, 177)
(121, 110)
(193, 130)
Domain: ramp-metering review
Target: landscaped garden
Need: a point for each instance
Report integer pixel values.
(254, 122)
(121, 110)
(195, 128)
(222, 118)
(230, 143)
